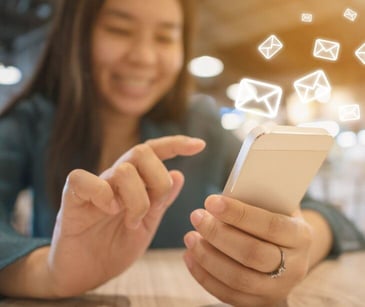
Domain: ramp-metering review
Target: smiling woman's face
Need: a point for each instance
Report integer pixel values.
(137, 53)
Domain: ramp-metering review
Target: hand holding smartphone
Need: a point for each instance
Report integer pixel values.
(276, 165)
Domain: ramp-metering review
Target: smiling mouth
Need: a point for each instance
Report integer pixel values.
(132, 86)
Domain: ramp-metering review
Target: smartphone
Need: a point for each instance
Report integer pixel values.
(275, 166)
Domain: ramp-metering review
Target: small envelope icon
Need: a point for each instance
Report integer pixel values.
(350, 14)
(307, 17)
(270, 47)
(360, 53)
(259, 98)
(327, 50)
(349, 112)
(314, 86)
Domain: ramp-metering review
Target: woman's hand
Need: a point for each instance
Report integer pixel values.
(105, 223)
(236, 246)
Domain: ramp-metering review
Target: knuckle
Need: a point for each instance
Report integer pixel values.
(124, 170)
(307, 235)
(141, 150)
(211, 232)
(275, 226)
(100, 188)
(240, 216)
(201, 257)
(142, 207)
(251, 255)
(165, 185)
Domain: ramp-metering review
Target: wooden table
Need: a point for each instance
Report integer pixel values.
(160, 279)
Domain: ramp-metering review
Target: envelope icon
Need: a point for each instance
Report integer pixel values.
(327, 50)
(360, 53)
(314, 86)
(350, 14)
(307, 17)
(270, 47)
(259, 98)
(349, 112)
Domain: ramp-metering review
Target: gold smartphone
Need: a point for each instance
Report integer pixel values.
(275, 166)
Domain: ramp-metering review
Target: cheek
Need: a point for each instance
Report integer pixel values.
(174, 62)
(104, 51)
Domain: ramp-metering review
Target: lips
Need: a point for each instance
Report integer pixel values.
(131, 85)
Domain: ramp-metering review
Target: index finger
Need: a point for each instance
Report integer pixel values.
(272, 227)
(169, 147)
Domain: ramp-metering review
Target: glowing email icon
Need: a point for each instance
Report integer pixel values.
(349, 112)
(327, 50)
(360, 53)
(307, 17)
(258, 98)
(270, 47)
(350, 14)
(314, 86)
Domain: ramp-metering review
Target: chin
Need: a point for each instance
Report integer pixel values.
(132, 108)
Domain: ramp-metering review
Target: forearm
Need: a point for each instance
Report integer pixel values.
(322, 236)
(28, 277)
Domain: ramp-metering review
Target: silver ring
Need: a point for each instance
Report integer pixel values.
(281, 268)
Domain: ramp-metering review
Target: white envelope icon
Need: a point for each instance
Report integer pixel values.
(270, 47)
(314, 86)
(259, 98)
(327, 50)
(360, 53)
(350, 14)
(349, 112)
(307, 17)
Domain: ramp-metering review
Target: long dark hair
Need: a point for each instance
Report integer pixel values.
(64, 78)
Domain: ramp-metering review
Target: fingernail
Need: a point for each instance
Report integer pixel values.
(197, 217)
(189, 240)
(216, 205)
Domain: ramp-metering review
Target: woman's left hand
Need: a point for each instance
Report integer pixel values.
(236, 246)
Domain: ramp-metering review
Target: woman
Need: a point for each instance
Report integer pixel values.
(110, 98)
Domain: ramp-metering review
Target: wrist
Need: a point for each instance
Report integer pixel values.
(28, 277)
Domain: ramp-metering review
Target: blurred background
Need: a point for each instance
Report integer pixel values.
(226, 50)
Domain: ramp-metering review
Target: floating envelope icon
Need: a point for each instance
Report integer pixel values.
(327, 50)
(259, 98)
(314, 86)
(350, 14)
(360, 53)
(349, 112)
(307, 17)
(270, 47)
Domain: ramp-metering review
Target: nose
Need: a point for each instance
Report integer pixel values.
(142, 51)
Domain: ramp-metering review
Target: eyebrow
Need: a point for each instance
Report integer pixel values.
(126, 16)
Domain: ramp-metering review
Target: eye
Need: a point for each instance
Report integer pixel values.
(119, 31)
(164, 39)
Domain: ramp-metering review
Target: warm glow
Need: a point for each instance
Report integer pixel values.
(206, 67)
(330, 126)
(347, 139)
(361, 137)
(232, 91)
